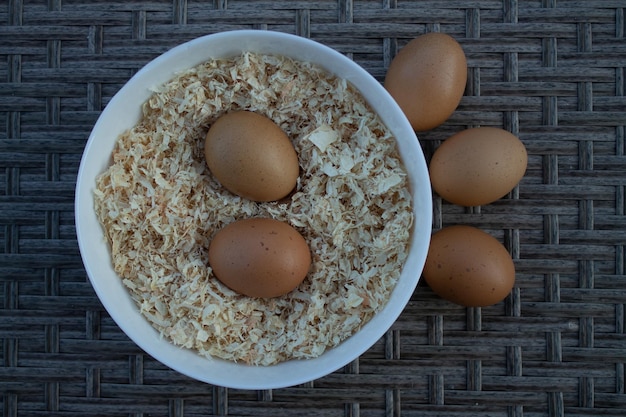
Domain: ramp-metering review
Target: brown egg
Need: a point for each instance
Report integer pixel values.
(427, 79)
(468, 267)
(260, 257)
(251, 156)
(478, 166)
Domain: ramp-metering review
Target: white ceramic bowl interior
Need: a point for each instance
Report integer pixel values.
(123, 112)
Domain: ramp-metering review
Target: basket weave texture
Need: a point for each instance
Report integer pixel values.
(551, 72)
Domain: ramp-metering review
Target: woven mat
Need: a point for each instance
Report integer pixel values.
(551, 72)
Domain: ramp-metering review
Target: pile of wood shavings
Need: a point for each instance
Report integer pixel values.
(160, 207)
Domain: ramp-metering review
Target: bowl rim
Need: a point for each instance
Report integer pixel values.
(213, 370)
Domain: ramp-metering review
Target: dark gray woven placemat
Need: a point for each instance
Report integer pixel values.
(551, 72)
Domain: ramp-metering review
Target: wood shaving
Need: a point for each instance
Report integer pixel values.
(160, 207)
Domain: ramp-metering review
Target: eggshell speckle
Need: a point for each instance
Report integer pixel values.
(260, 257)
(251, 156)
(478, 166)
(469, 267)
(427, 79)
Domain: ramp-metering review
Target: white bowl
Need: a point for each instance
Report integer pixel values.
(123, 112)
